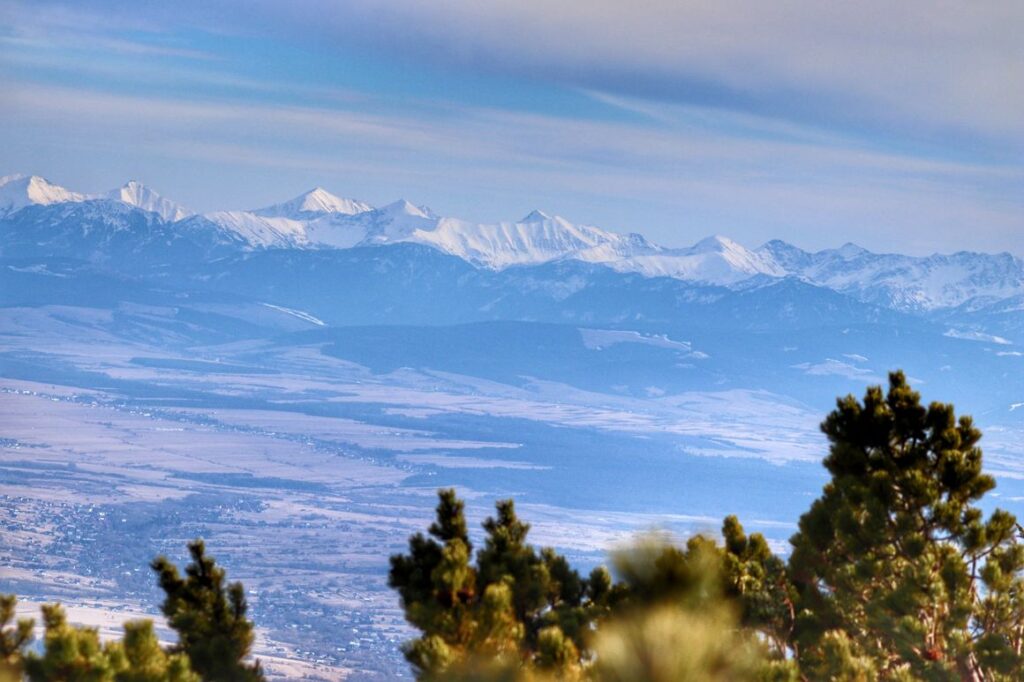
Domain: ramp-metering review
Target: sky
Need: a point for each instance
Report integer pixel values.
(897, 126)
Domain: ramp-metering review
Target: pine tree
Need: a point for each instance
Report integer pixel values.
(209, 617)
(14, 637)
(70, 654)
(899, 575)
(140, 658)
(523, 615)
(437, 587)
(506, 557)
(75, 654)
(515, 609)
(895, 575)
(760, 582)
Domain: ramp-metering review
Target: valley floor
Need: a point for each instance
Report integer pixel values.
(304, 472)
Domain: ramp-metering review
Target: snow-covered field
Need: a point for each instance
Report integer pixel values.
(305, 480)
(304, 471)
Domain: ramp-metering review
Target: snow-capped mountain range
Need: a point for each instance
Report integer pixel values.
(44, 215)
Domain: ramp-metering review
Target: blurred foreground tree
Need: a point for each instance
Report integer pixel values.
(520, 614)
(75, 654)
(689, 613)
(70, 654)
(14, 637)
(140, 658)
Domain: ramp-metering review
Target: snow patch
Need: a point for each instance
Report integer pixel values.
(297, 313)
(599, 339)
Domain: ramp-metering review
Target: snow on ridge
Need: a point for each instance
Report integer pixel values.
(301, 314)
(500, 245)
(313, 203)
(909, 283)
(599, 339)
(136, 194)
(713, 260)
(18, 191)
(319, 219)
(535, 216)
(261, 232)
(404, 207)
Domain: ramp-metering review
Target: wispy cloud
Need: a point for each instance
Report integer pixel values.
(938, 64)
(896, 126)
(914, 64)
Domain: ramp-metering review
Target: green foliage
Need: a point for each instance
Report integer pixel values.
(897, 572)
(653, 572)
(669, 644)
(895, 575)
(70, 654)
(140, 658)
(759, 581)
(75, 654)
(519, 614)
(14, 637)
(693, 613)
(209, 617)
(513, 609)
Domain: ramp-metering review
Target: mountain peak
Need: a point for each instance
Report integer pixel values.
(779, 246)
(716, 243)
(320, 199)
(134, 193)
(316, 201)
(850, 250)
(784, 255)
(18, 191)
(404, 207)
(535, 216)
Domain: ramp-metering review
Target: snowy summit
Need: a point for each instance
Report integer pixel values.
(136, 194)
(318, 219)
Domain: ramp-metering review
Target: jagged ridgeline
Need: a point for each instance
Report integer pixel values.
(895, 573)
(133, 224)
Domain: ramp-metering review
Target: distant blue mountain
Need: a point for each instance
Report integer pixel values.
(134, 229)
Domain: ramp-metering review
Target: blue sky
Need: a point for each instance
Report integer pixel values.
(899, 128)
